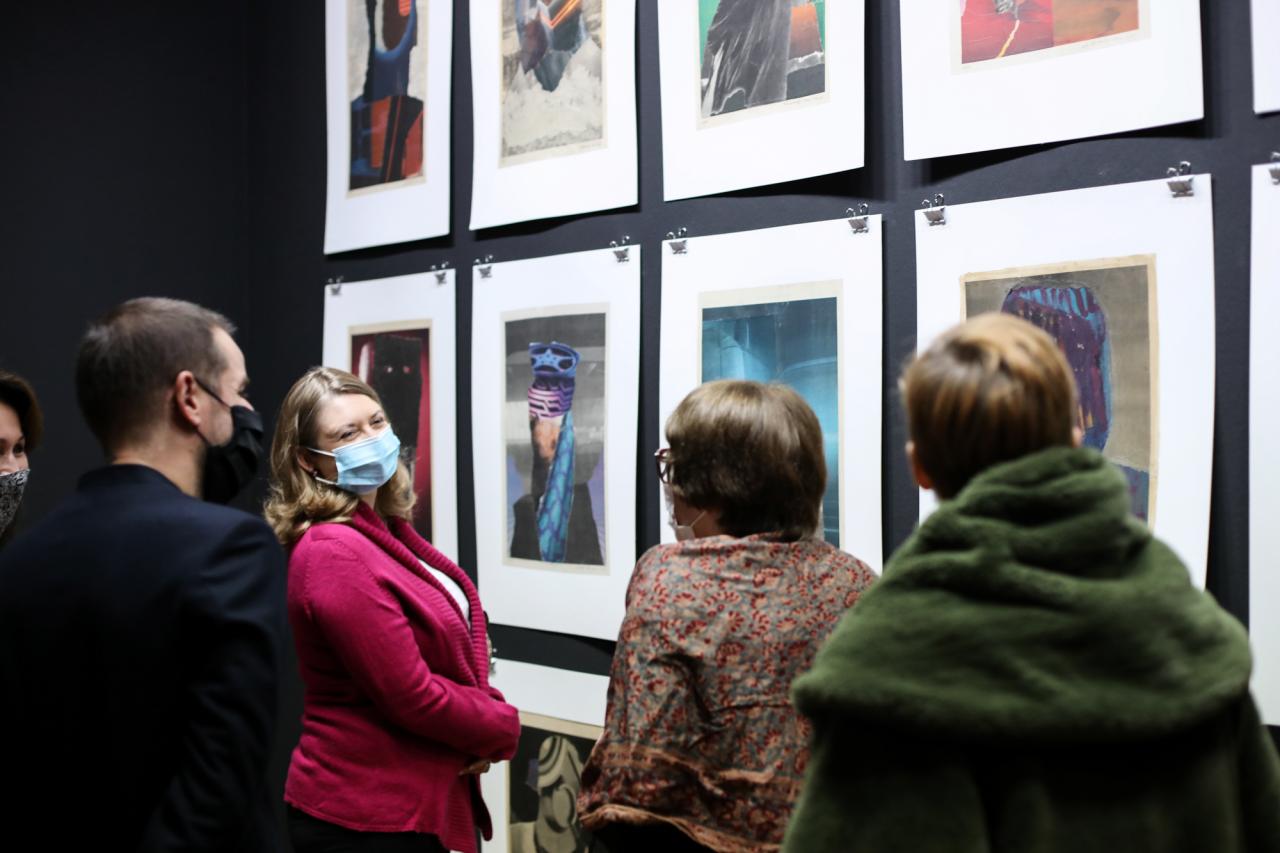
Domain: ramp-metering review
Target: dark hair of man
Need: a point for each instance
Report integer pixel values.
(754, 453)
(17, 394)
(129, 358)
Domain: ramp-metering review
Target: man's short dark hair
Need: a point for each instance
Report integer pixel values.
(130, 357)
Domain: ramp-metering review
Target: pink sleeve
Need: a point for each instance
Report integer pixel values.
(371, 635)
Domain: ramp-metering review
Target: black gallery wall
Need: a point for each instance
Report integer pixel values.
(159, 148)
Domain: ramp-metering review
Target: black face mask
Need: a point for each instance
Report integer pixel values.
(230, 467)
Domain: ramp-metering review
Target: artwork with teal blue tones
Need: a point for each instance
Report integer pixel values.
(793, 342)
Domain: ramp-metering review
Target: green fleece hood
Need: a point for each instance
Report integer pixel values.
(1033, 605)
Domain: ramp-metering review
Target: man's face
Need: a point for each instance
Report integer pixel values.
(546, 433)
(231, 386)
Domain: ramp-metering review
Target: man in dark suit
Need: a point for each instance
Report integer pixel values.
(140, 626)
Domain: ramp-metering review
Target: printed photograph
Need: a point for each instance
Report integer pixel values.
(1103, 316)
(553, 93)
(395, 359)
(789, 335)
(760, 52)
(543, 783)
(997, 29)
(387, 87)
(554, 430)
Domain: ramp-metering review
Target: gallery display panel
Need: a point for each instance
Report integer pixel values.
(561, 715)
(555, 387)
(759, 92)
(800, 305)
(398, 335)
(1264, 453)
(979, 75)
(1123, 278)
(554, 108)
(388, 72)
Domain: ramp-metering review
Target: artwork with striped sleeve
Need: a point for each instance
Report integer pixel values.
(553, 428)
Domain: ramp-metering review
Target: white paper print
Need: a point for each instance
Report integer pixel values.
(1266, 56)
(800, 305)
(1130, 268)
(554, 108)
(1264, 453)
(979, 75)
(398, 334)
(555, 383)
(388, 74)
(759, 92)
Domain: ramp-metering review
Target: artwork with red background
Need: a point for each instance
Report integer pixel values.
(397, 364)
(995, 29)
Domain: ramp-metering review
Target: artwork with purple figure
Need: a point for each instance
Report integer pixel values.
(1102, 314)
(554, 417)
(395, 359)
(552, 77)
(386, 70)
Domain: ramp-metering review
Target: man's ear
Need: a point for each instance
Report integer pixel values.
(922, 478)
(185, 388)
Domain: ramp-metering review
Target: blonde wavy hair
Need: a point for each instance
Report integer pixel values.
(297, 499)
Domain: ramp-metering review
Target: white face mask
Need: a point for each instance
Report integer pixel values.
(11, 489)
(684, 532)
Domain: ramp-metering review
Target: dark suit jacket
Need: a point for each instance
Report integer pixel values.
(140, 637)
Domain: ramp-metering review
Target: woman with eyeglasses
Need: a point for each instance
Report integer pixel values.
(702, 748)
(398, 715)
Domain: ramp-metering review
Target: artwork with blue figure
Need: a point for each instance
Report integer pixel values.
(760, 52)
(1101, 315)
(543, 781)
(794, 342)
(387, 68)
(554, 432)
(552, 78)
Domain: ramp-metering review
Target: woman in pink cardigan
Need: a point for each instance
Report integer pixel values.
(398, 716)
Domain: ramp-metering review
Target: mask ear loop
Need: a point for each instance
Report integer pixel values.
(315, 475)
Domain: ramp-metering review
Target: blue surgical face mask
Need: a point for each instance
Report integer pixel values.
(365, 466)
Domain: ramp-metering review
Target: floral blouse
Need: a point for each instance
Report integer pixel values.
(700, 732)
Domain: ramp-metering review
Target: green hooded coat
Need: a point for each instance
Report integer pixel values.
(1036, 674)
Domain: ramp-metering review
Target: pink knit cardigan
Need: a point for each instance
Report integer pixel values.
(397, 696)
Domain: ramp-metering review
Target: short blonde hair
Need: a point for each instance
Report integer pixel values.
(297, 499)
(987, 391)
(754, 453)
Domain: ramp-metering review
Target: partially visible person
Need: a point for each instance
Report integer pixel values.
(398, 716)
(21, 426)
(702, 748)
(140, 625)
(1035, 671)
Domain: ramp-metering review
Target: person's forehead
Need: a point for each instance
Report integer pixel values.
(344, 408)
(230, 351)
(10, 423)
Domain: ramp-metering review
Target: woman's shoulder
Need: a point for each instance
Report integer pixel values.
(330, 541)
(823, 557)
